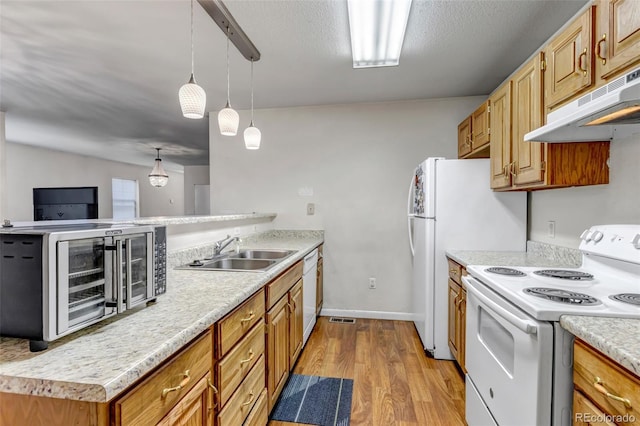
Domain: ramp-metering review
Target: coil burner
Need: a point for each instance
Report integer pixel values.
(562, 296)
(506, 271)
(564, 274)
(630, 298)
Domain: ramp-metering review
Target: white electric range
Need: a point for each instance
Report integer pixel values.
(515, 345)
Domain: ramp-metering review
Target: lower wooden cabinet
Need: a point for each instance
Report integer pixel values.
(195, 409)
(320, 282)
(277, 349)
(296, 323)
(603, 389)
(457, 313)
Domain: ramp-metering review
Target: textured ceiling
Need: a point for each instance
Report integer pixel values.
(101, 77)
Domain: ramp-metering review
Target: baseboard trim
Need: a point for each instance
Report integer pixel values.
(398, 316)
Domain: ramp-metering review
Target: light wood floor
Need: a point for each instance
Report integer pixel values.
(394, 382)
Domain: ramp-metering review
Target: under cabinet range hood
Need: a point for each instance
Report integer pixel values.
(611, 111)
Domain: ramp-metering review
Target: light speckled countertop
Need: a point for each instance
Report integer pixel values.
(97, 363)
(618, 338)
(506, 258)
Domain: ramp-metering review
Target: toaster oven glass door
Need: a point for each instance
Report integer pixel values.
(81, 282)
(136, 266)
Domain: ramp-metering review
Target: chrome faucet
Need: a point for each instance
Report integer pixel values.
(222, 244)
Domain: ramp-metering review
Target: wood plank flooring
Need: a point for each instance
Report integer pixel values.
(395, 383)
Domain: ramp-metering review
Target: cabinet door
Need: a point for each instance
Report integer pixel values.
(461, 328)
(618, 36)
(195, 409)
(454, 294)
(500, 123)
(277, 349)
(527, 115)
(464, 137)
(296, 323)
(569, 60)
(586, 413)
(319, 287)
(480, 127)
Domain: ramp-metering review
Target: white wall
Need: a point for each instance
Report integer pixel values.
(193, 175)
(29, 167)
(575, 209)
(357, 160)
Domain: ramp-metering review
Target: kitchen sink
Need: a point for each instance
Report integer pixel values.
(249, 260)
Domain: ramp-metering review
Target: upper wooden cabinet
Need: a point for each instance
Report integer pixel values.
(474, 133)
(519, 165)
(464, 137)
(569, 60)
(617, 38)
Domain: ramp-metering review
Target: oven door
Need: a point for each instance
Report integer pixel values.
(509, 361)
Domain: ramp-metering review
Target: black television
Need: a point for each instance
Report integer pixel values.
(65, 203)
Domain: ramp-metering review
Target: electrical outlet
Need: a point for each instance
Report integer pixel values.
(372, 283)
(551, 229)
(311, 209)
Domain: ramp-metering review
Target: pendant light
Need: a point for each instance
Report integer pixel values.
(158, 177)
(228, 118)
(192, 97)
(252, 134)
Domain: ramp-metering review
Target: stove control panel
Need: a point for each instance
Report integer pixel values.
(614, 241)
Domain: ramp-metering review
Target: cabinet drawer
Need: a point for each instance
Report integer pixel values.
(589, 366)
(587, 414)
(235, 366)
(281, 285)
(259, 416)
(146, 404)
(232, 327)
(243, 400)
(455, 271)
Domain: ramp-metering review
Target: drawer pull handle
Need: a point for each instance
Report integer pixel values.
(249, 318)
(249, 401)
(453, 271)
(290, 307)
(599, 385)
(214, 389)
(244, 361)
(185, 380)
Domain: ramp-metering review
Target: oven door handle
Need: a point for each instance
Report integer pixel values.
(527, 326)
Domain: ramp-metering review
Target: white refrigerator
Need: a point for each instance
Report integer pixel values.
(451, 207)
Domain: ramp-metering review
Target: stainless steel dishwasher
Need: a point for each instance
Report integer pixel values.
(309, 277)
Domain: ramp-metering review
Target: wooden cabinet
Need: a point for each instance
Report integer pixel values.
(284, 329)
(457, 313)
(296, 323)
(602, 386)
(519, 165)
(569, 60)
(195, 409)
(164, 390)
(320, 282)
(617, 39)
(474, 133)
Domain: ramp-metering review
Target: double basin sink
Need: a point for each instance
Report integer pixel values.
(245, 260)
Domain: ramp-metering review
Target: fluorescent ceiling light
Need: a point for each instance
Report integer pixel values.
(377, 31)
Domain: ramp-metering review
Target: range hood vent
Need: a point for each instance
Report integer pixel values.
(611, 111)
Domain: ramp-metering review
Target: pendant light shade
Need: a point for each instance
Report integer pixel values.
(228, 118)
(192, 97)
(252, 134)
(158, 177)
(252, 137)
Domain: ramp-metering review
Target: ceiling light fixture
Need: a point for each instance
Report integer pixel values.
(228, 118)
(192, 97)
(158, 177)
(252, 134)
(377, 31)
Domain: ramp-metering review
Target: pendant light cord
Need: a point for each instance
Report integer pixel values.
(192, 38)
(252, 90)
(228, 86)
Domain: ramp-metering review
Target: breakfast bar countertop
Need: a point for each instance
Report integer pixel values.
(100, 361)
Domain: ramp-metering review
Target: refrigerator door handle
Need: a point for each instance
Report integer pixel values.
(410, 217)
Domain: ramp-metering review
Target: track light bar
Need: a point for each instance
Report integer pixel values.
(221, 15)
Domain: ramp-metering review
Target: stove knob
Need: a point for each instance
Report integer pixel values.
(636, 241)
(597, 236)
(586, 235)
